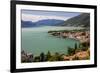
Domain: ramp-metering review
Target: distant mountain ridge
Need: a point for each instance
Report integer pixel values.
(80, 20)
(47, 22)
(27, 24)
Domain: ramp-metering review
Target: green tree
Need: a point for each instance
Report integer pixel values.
(42, 57)
(75, 48)
(48, 56)
(57, 56)
(37, 59)
(70, 51)
(85, 46)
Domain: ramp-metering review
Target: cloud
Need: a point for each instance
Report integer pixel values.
(35, 18)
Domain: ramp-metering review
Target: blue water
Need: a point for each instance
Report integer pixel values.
(40, 41)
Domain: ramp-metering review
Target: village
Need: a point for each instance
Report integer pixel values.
(82, 36)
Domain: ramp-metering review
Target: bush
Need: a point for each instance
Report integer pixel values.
(71, 51)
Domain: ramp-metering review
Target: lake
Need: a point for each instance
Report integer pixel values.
(37, 40)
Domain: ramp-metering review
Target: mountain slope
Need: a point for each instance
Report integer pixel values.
(47, 22)
(27, 24)
(80, 20)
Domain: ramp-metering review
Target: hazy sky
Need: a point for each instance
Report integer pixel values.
(35, 15)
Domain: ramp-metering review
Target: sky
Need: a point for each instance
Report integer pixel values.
(36, 15)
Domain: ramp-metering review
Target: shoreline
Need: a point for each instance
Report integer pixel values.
(76, 53)
(82, 36)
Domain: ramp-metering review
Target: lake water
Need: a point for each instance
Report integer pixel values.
(37, 40)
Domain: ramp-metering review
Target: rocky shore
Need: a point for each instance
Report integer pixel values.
(78, 55)
(82, 36)
(82, 55)
(26, 57)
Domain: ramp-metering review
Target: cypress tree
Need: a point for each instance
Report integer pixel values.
(42, 57)
(48, 56)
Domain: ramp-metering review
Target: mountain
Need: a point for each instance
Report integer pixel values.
(50, 22)
(80, 20)
(47, 22)
(27, 24)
